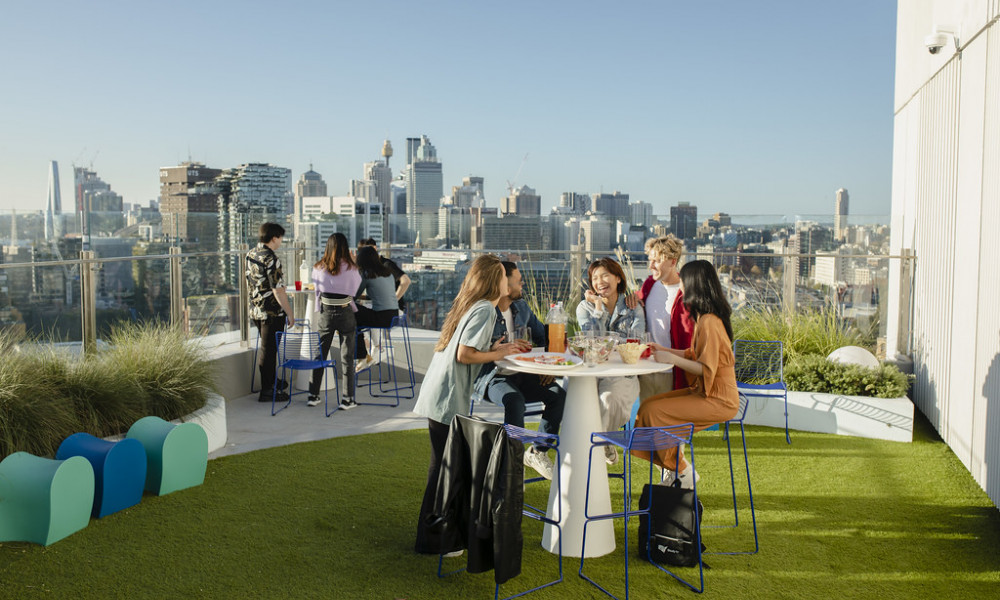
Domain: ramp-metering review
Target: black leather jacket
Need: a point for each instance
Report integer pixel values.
(479, 497)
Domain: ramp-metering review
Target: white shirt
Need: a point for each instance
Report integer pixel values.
(658, 304)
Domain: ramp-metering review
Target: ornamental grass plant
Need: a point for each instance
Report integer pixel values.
(48, 392)
(803, 332)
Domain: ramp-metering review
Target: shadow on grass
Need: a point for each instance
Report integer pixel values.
(838, 517)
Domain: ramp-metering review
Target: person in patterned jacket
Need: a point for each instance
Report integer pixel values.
(270, 310)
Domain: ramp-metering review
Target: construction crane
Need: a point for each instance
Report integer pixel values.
(511, 184)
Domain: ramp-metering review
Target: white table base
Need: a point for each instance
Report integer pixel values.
(574, 443)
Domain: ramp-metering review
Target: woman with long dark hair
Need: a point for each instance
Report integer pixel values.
(377, 280)
(336, 279)
(712, 397)
(462, 349)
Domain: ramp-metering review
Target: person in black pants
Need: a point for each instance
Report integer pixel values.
(270, 310)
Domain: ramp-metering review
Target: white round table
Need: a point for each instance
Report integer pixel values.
(582, 417)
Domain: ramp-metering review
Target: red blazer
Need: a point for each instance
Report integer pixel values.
(681, 327)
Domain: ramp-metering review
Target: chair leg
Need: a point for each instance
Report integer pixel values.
(253, 364)
(788, 438)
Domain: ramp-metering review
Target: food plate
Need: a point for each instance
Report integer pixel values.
(556, 361)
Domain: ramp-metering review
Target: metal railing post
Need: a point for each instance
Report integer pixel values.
(789, 277)
(176, 288)
(244, 300)
(88, 301)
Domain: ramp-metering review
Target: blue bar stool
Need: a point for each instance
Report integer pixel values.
(388, 384)
(738, 420)
(642, 439)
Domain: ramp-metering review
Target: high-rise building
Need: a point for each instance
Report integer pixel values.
(514, 233)
(684, 220)
(358, 218)
(99, 209)
(522, 201)
(364, 189)
(614, 206)
(309, 185)
(189, 204)
(251, 194)
(53, 206)
(596, 235)
(641, 214)
(424, 187)
(573, 203)
(840, 214)
(379, 173)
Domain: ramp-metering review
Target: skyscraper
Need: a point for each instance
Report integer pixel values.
(522, 201)
(98, 208)
(380, 174)
(309, 185)
(189, 204)
(840, 214)
(684, 220)
(53, 207)
(614, 206)
(424, 186)
(251, 194)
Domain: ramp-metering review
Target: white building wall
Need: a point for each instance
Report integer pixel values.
(946, 211)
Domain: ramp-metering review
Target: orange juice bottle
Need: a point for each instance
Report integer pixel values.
(556, 321)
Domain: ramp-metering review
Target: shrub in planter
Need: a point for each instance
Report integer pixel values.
(47, 394)
(814, 373)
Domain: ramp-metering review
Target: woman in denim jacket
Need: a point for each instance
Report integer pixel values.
(604, 309)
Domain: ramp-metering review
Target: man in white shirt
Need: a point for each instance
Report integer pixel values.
(661, 293)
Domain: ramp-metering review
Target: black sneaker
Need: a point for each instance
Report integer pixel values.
(313, 401)
(281, 397)
(282, 385)
(347, 403)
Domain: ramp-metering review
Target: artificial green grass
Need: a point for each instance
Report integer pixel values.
(838, 517)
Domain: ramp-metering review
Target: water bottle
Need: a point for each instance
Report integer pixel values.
(305, 275)
(556, 321)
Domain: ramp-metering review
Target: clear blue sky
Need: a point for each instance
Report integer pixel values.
(745, 107)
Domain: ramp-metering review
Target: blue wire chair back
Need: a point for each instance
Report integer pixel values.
(758, 363)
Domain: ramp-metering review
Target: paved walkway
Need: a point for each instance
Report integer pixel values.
(250, 426)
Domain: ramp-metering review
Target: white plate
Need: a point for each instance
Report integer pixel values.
(530, 359)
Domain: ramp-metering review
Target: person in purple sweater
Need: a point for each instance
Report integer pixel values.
(336, 278)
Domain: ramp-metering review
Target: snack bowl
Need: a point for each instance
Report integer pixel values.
(631, 352)
(578, 344)
(606, 345)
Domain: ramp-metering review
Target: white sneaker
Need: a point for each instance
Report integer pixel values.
(539, 461)
(365, 363)
(688, 477)
(453, 554)
(610, 454)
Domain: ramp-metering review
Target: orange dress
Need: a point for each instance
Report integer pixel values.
(712, 397)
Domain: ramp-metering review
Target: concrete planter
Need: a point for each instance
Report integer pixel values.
(860, 416)
(212, 418)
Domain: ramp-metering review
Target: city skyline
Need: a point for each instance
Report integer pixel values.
(748, 110)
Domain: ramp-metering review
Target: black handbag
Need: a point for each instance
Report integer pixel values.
(669, 534)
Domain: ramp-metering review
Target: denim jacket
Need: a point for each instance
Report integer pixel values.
(522, 316)
(622, 320)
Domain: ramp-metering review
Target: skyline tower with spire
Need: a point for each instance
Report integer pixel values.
(53, 205)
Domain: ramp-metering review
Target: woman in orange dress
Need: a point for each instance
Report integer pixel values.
(712, 397)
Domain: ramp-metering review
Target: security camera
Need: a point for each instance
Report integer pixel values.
(939, 39)
(935, 42)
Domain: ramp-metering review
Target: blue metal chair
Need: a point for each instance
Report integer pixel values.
(528, 436)
(293, 350)
(738, 420)
(303, 323)
(643, 439)
(759, 372)
(388, 383)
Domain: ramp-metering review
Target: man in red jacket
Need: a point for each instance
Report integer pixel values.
(667, 319)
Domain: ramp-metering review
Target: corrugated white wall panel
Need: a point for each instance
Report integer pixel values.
(934, 241)
(969, 181)
(986, 391)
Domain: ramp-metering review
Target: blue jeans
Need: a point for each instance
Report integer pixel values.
(513, 391)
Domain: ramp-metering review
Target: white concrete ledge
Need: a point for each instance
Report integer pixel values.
(878, 418)
(212, 418)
